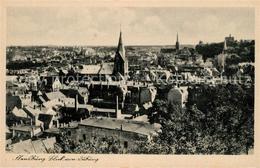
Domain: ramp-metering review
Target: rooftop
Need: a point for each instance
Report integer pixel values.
(32, 111)
(126, 125)
(29, 146)
(19, 112)
(104, 69)
(55, 95)
(24, 128)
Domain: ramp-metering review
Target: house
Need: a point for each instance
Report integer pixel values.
(12, 102)
(178, 95)
(16, 88)
(28, 146)
(127, 132)
(147, 94)
(25, 131)
(159, 75)
(49, 118)
(99, 69)
(19, 113)
(54, 95)
(33, 113)
(82, 93)
(56, 85)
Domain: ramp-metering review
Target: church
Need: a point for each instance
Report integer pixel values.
(111, 91)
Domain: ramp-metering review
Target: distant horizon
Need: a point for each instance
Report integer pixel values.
(137, 45)
(132, 45)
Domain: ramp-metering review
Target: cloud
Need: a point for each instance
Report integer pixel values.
(100, 25)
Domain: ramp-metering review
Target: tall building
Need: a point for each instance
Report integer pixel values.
(121, 61)
(229, 39)
(221, 58)
(177, 45)
(225, 46)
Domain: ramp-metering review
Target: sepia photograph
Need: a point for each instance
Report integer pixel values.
(129, 80)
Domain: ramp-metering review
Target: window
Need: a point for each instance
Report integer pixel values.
(69, 133)
(125, 144)
(84, 137)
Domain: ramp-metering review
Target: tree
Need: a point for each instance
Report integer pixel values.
(228, 124)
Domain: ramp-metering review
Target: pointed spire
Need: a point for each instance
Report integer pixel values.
(120, 47)
(177, 45)
(121, 62)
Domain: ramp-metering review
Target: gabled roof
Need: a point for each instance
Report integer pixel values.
(39, 93)
(55, 95)
(106, 69)
(19, 112)
(32, 111)
(90, 69)
(48, 111)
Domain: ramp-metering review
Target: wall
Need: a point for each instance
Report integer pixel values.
(89, 133)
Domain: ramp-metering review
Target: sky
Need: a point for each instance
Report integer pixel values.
(140, 26)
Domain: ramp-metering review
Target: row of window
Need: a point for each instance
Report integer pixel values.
(84, 138)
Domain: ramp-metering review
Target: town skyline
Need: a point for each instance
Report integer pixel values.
(140, 26)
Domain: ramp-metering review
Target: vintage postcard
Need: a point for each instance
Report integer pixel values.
(140, 84)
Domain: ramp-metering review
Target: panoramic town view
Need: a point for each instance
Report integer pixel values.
(164, 86)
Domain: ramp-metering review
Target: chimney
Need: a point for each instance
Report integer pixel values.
(118, 112)
(13, 135)
(42, 127)
(121, 127)
(76, 102)
(32, 133)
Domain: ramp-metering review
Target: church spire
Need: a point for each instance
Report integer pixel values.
(177, 45)
(225, 46)
(120, 46)
(121, 62)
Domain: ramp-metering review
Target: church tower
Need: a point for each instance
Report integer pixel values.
(120, 62)
(225, 47)
(221, 58)
(177, 45)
